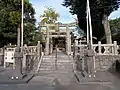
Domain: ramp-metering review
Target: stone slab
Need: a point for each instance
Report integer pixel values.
(7, 76)
(100, 78)
(22, 81)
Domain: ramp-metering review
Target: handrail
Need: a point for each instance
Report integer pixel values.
(39, 64)
(73, 63)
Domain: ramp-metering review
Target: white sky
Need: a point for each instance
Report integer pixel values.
(65, 15)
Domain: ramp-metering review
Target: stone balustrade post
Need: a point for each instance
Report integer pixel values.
(76, 45)
(99, 47)
(80, 44)
(76, 42)
(38, 49)
(41, 50)
(51, 46)
(115, 48)
(24, 56)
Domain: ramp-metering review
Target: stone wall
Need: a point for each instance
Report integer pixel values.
(106, 62)
(102, 62)
(79, 62)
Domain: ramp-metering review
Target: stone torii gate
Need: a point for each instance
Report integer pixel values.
(55, 31)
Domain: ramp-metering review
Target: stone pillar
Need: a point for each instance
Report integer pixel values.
(68, 40)
(51, 46)
(70, 44)
(76, 42)
(115, 48)
(18, 36)
(24, 56)
(18, 64)
(90, 62)
(99, 47)
(41, 50)
(80, 44)
(76, 46)
(38, 49)
(47, 42)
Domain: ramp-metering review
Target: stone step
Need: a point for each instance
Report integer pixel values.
(59, 65)
(50, 69)
(57, 58)
(56, 68)
(62, 60)
(49, 64)
(54, 56)
(56, 63)
(54, 72)
(67, 61)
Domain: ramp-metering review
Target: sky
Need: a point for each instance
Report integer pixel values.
(65, 15)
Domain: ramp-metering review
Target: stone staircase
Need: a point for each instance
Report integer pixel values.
(58, 69)
(53, 64)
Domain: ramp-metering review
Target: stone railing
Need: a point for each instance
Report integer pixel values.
(33, 50)
(30, 50)
(99, 49)
(1, 51)
(32, 54)
(104, 59)
(106, 49)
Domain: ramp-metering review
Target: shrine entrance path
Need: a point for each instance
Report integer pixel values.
(61, 78)
(56, 69)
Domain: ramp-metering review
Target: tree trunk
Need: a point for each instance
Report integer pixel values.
(18, 36)
(107, 29)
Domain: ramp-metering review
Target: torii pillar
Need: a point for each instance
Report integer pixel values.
(47, 42)
(68, 41)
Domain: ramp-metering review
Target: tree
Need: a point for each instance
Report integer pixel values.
(29, 22)
(50, 16)
(115, 29)
(100, 10)
(115, 25)
(10, 20)
(105, 12)
(38, 37)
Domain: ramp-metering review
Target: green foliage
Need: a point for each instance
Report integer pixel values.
(115, 25)
(50, 16)
(99, 8)
(38, 37)
(115, 29)
(15, 17)
(10, 21)
(29, 29)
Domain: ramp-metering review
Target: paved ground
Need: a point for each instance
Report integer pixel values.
(110, 82)
(60, 87)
